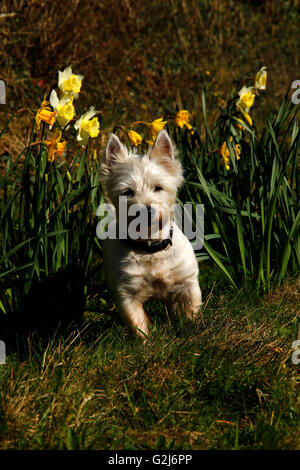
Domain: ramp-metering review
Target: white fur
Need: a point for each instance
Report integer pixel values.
(133, 275)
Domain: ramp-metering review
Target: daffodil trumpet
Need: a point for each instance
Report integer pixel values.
(69, 83)
(260, 81)
(45, 114)
(64, 108)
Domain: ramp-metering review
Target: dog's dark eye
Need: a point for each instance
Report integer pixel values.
(128, 193)
(158, 188)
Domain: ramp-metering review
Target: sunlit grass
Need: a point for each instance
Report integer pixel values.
(227, 384)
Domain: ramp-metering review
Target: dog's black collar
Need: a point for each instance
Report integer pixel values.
(149, 247)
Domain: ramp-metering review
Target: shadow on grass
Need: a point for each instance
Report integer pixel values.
(52, 305)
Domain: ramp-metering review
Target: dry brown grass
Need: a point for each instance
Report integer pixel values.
(140, 58)
(191, 389)
(288, 295)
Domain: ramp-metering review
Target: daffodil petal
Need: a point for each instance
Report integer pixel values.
(54, 101)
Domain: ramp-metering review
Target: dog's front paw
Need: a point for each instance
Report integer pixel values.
(135, 316)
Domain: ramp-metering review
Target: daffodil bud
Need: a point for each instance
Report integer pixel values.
(135, 138)
(260, 80)
(69, 178)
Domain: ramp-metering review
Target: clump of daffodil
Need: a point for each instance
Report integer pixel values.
(260, 81)
(134, 138)
(87, 126)
(224, 152)
(247, 96)
(54, 146)
(64, 108)
(45, 114)
(69, 86)
(245, 102)
(182, 119)
(69, 83)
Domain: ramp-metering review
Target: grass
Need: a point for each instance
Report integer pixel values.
(228, 384)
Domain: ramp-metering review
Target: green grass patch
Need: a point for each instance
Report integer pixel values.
(229, 383)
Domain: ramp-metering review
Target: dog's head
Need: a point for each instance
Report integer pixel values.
(148, 182)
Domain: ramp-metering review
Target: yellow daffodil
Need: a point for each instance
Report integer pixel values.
(246, 98)
(45, 114)
(238, 151)
(64, 108)
(260, 81)
(135, 138)
(55, 147)
(154, 128)
(157, 125)
(87, 127)
(224, 152)
(182, 118)
(68, 82)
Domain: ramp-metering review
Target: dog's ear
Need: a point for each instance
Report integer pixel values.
(163, 146)
(115, 151)
(164, 153)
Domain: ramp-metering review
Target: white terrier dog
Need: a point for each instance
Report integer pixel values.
(161, 264)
